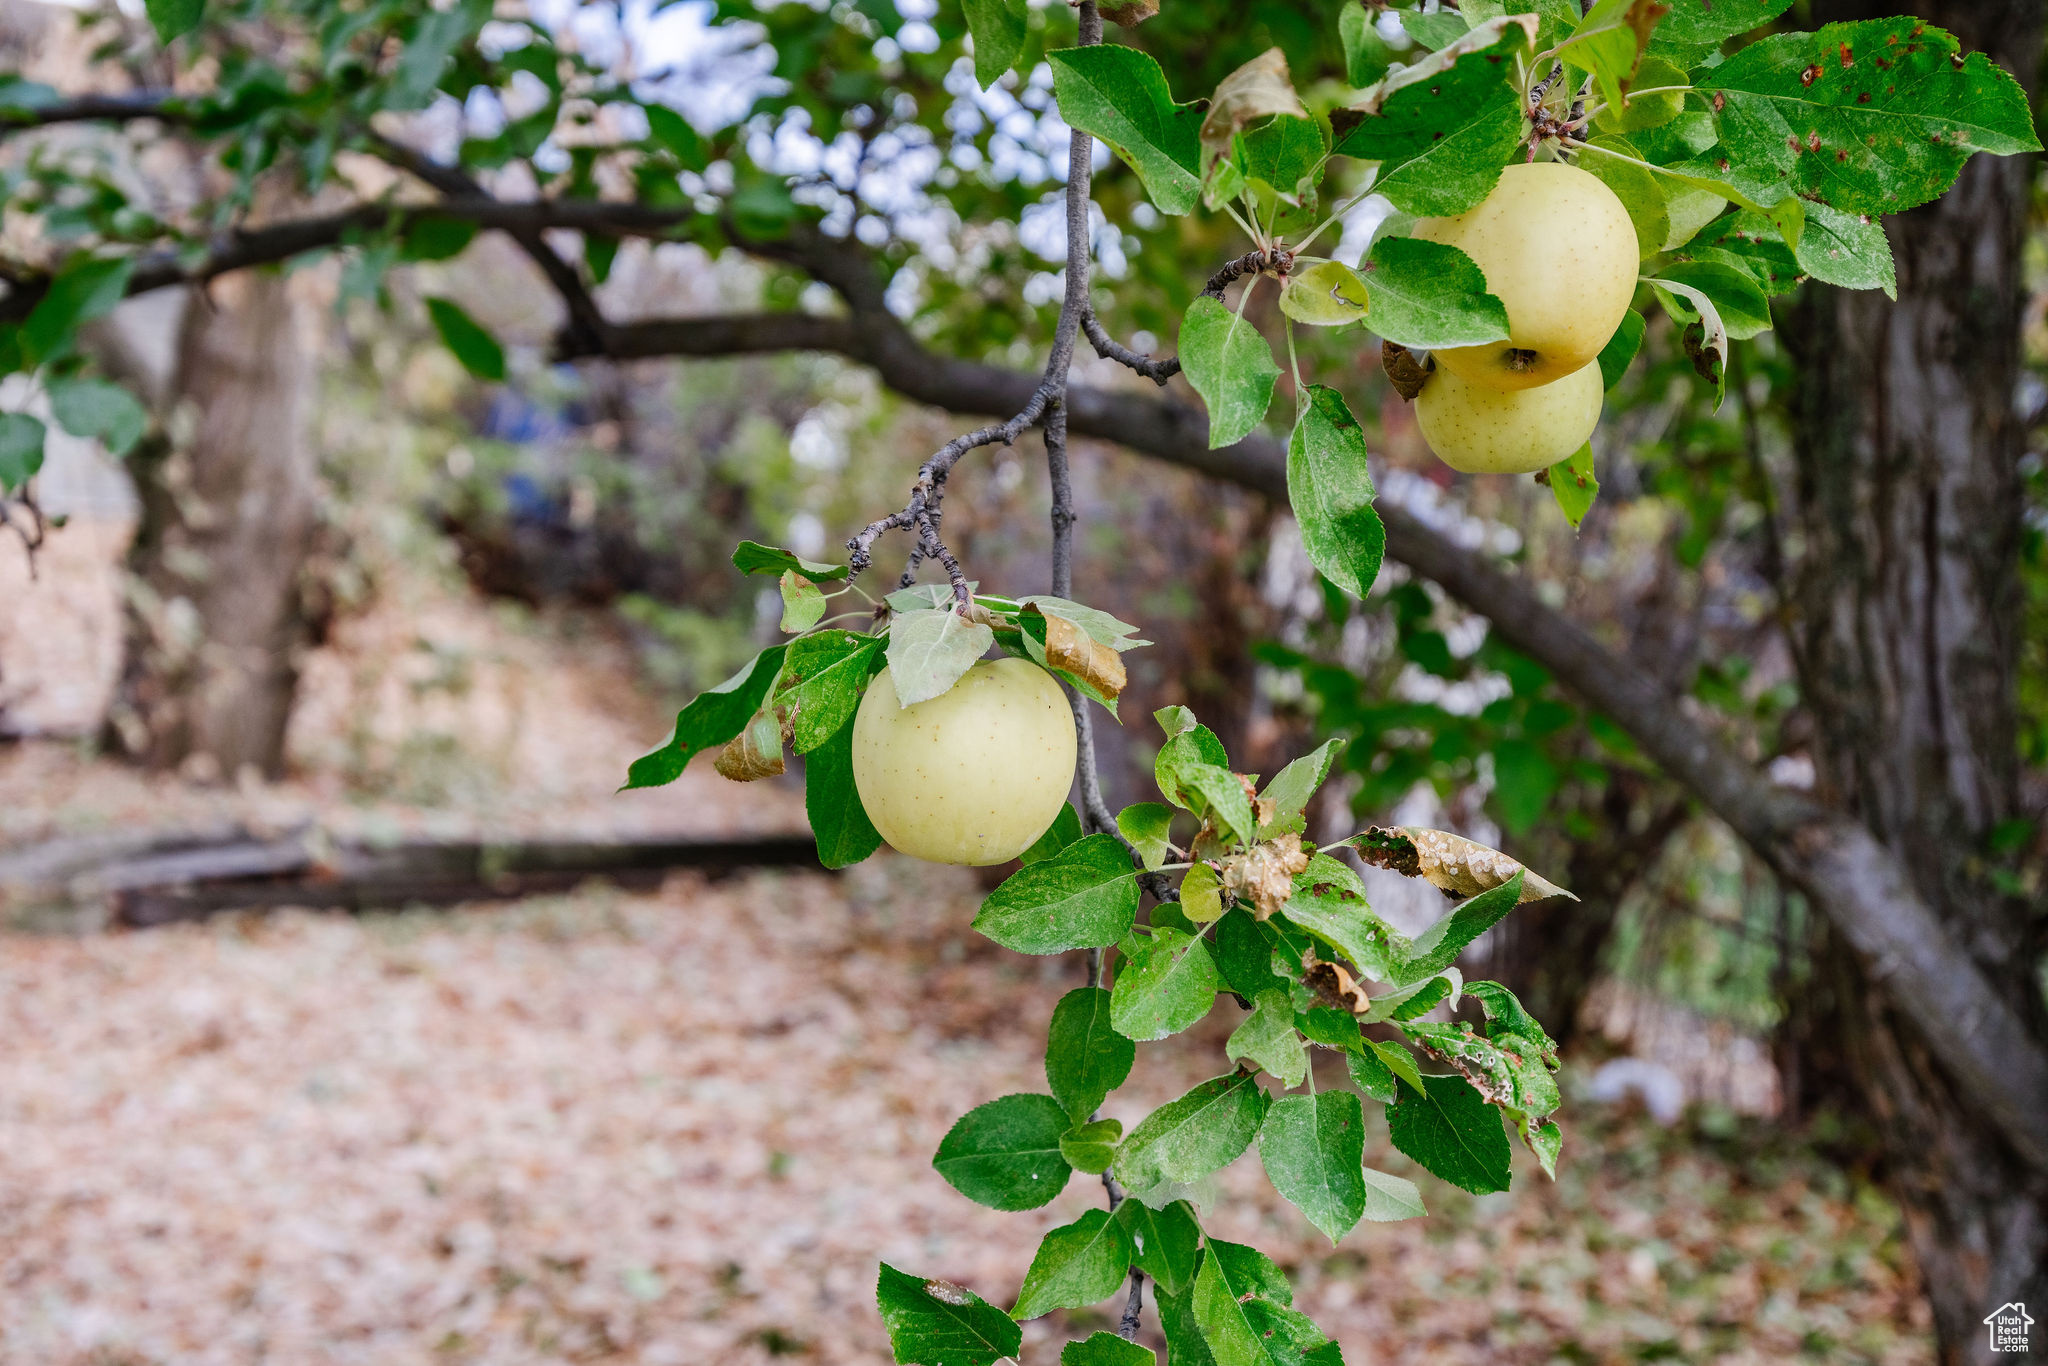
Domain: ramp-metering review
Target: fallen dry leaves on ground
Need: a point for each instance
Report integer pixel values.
(684, 1127)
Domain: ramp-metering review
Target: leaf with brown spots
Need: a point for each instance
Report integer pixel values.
(1451, 863)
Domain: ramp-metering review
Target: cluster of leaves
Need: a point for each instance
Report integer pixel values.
(803, 693)
(1264, 917)
(1742, 174)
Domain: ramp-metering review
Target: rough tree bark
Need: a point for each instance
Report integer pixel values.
(218, 610)
(1907, 623)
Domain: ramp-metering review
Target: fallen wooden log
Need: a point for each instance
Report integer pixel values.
(157, 879)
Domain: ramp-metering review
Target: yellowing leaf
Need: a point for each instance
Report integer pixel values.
(1450, 863)
(1201, 894)
(755, 752)
(1069, 647)
(1258, 88)
(1329, 294)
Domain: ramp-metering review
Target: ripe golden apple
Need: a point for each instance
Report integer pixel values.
(1559, 250)
(974, 775)
(1482, 430)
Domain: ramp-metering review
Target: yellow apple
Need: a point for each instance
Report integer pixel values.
(1559, 250)
(974, 775)
(1481, 430)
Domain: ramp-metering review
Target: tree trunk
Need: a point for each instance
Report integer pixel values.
(218, 604)
(1907, 623)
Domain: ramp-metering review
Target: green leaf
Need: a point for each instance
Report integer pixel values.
(1642, 192)
(751, 557)
(1546, 1140)
(1639, 113)
(1871, 117)
(1120, 95)
(1091, 1147)
(1621, 348)
(1437, 947)
(425, 53)
(999, 28)
(1329, 1027)
(1512, 1066)
(1313, 1149)
(21, 451)
(1574, 485)
(1331, 491)
(1695, 28)
(1329, 902)
(1201, 894)
(1443, 127)
(1186, 1139)
(803, 606)
(1448, 1128)
(1100, 625)
(1241, 1302)
(1431, 294)
(1736, 296)
(1286, 154)
(1193, 773)
(1290, 789)
(1166, 1242)
(929, 651)
(1085, 1059)
(1166, 984)
(1390, 1199)
(934, 1323)
(1603, 46)
(1107, 1349)
(1366, 54)
(1006, 1153)
(1267, 1038)
(85, 288)
(433, 238)
(1524, 777)
(1244, 955)
(823, 677)
(1077, 1265)
(1064, 830)
(1085, 897)
(673, 132)
(174, 18)
(1185, 1345)
(1231, 367)
(1434, 31)
(477, 349)
(839, 822)
(1327, 294)
(100, 411)
(1845, 249)
(1148, 826)
(711, 719)
(1370, 1073)
(1399, 1061)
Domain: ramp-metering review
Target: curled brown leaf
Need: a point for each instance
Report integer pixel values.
(1264, 874)
(1451, 863)
(755, 752)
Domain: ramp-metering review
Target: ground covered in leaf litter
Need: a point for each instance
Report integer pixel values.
(684, 1127)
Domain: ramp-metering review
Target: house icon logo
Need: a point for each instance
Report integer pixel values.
(2008, 1325)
